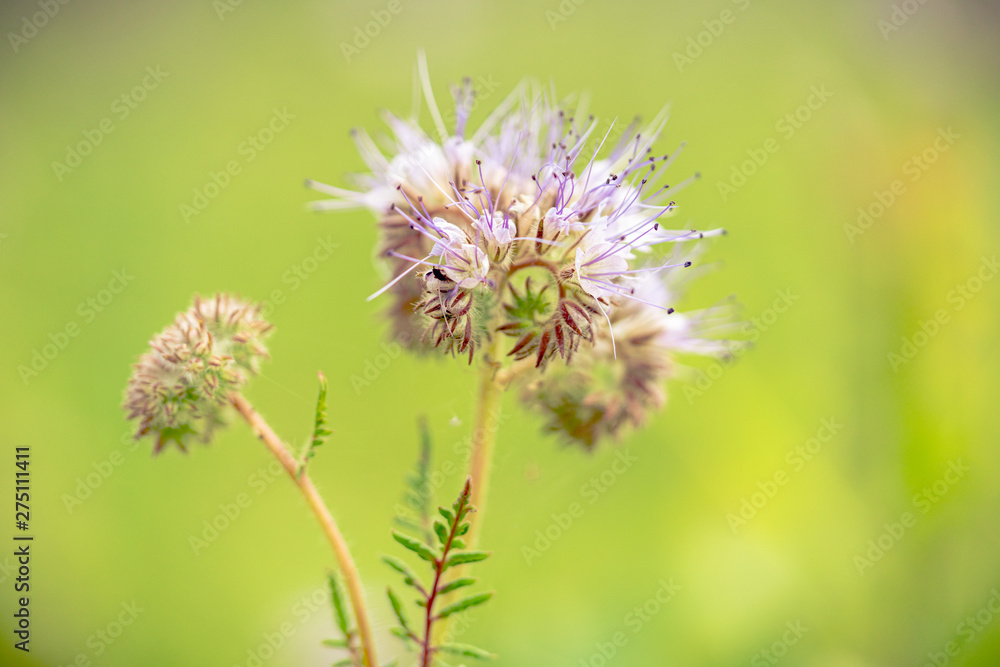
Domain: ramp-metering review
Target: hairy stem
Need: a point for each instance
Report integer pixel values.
(483, 439)
(326, 521)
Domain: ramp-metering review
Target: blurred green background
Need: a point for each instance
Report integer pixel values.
(226, 66)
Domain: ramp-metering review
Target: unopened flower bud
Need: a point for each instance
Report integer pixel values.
(180, 387)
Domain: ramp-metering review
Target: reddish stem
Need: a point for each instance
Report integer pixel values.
(428, 650)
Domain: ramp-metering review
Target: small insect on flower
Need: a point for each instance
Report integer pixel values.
(180, 387)
(534, 230)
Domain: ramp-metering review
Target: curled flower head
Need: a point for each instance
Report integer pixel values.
(613, 386)
(179, 388)
(534, 238)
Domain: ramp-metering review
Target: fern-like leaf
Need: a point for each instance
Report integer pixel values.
(342, 617)
(442, 550)
(414, 512)
(320, 431)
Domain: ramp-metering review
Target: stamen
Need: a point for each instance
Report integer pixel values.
(425, 80)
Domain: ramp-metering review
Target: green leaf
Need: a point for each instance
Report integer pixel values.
(397, 608)
(448, 515)
(462, 605)
(455, 585)
(340, 610)
(409, 576)
(346, 662)
(415, 545)
(442, 531)
(401, 633)
(335, 643)
(461, 506)
(319, 425)
(530, 306)
(466, 650)
(463, 557)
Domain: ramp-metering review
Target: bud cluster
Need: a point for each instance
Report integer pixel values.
(179, 388)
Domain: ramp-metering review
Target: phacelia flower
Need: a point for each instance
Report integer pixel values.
(535, 237)
(180, 387)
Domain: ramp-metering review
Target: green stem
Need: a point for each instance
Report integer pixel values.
(483, 440)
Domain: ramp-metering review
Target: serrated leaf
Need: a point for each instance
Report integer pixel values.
(397, 608)
(455, 585)
(463, 557)
(319, 425)
(462, 605)
(415, 545)
(466, 650)
(448, 515)
(340, 610)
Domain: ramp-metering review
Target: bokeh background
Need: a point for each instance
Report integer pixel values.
(124, 537)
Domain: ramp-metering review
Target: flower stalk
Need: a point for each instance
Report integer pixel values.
(329, 525)
(483, 441)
